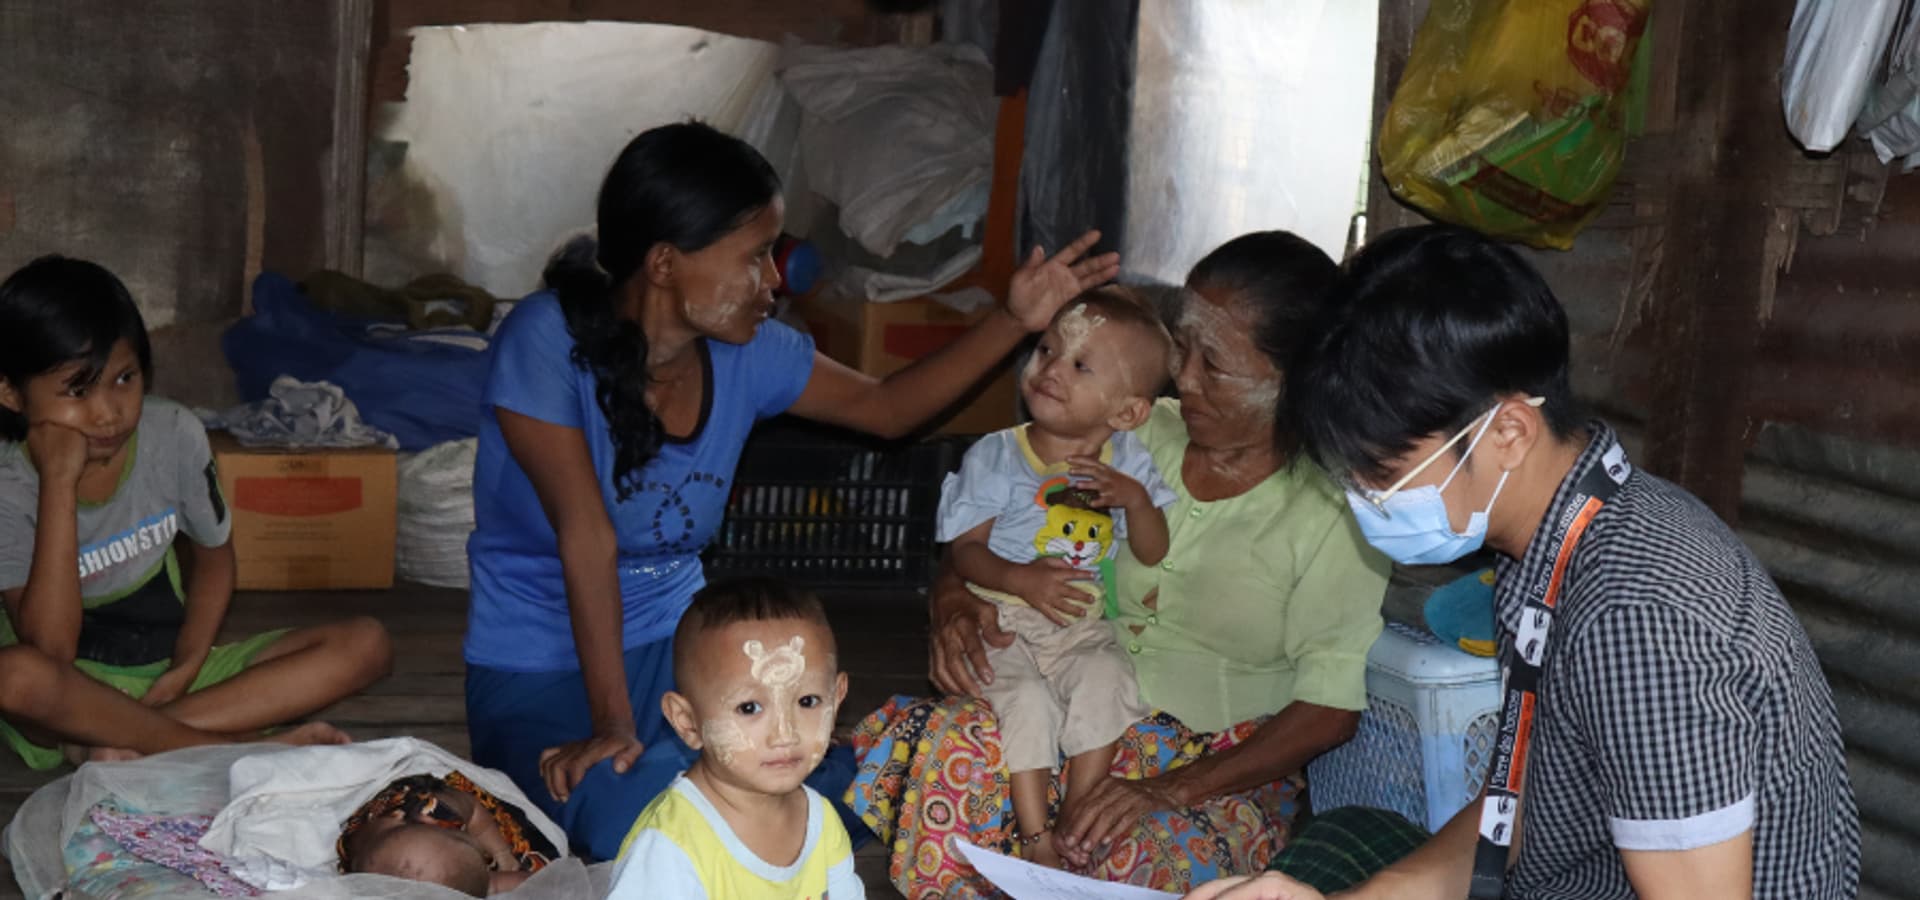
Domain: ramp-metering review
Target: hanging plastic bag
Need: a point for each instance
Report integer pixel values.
(1833, 50)
(1891, 118)
(1512, 115)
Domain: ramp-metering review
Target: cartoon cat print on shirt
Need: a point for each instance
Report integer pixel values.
(1075, 531)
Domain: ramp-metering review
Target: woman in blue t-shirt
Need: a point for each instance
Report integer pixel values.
(617, 407)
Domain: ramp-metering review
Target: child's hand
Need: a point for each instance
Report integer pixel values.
(502, 882)
(1047, 584)
(1041, 286)
(486, 833)
(59, 453)
(170, 686)
(1111, 488)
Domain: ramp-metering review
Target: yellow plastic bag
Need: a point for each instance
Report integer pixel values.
(1511, 117)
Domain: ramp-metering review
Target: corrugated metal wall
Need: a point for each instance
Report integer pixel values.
(1831, 499)
(1838, 523)
(1832, 502)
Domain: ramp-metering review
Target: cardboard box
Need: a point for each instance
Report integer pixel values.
(309, 519)
(882, 338)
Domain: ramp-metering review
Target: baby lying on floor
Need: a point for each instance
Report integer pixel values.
(447, 831)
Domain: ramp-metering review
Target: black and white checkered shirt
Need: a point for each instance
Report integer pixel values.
(1681, 705)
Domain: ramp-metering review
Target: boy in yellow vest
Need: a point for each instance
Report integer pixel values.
(757, 687)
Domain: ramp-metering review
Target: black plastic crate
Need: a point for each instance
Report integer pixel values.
(827, 509)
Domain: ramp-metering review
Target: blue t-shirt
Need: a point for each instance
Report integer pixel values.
(518, 619)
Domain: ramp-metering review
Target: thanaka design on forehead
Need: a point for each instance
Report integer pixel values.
(1076, 326)
(780, 668)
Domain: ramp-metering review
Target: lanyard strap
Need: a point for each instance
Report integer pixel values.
(1521, 662)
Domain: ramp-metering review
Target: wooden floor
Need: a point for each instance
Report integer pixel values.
(882, 637)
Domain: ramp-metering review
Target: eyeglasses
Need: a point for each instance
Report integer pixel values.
(1379, 498)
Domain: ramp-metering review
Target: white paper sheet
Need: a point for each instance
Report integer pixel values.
(1025, 881)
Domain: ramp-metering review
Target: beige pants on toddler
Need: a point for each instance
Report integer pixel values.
(1059, 691)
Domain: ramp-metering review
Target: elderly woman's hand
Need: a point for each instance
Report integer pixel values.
(1266, 886)
(963, 626)
(1042, 285)
(1110, 809)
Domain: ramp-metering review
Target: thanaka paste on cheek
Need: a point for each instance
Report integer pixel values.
(725, 738)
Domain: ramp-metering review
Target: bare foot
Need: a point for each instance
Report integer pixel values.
(79, 754)
(311, 734)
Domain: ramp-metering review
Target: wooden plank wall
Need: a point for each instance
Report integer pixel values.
(185, 144)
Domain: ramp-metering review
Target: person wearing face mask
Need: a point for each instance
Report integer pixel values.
(1247, 636)
(1662, 703)
(618, 403)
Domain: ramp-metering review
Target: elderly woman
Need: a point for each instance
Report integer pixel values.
(1249, 638)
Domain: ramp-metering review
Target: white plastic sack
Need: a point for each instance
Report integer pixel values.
(1892, 117)
(512, 127)
(435, 514)
(876, 286)
(195, 782)
(1832, 49)
(901, 138)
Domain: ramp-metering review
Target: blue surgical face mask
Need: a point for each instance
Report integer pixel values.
(1411, 526)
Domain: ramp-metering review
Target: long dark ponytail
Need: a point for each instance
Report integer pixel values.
(687, 185)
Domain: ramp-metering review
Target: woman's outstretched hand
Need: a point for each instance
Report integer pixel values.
(1044, 284)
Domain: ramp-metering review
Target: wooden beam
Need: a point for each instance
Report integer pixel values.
(346, 213)
(1730, 161)
(1399, 19)
(998, 255)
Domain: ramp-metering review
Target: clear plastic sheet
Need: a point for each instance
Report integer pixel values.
(1245, 117)
(1073, 171)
